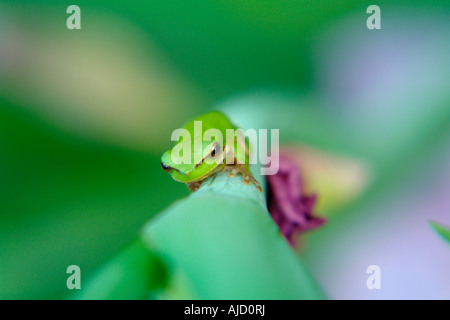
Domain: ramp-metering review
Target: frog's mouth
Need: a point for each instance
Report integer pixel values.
(169, 169)
(217, 157)
(210, 171)
(207, 174)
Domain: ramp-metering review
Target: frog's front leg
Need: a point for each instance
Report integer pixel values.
(248, 177)
(194, 186)
(233, 172)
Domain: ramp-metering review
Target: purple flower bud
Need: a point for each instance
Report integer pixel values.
(290, 208)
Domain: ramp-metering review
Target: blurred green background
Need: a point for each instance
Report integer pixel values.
(85, 115)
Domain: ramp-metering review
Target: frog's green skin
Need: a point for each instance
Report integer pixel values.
(194, 173)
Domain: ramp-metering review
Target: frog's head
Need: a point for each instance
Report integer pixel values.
(200, 164)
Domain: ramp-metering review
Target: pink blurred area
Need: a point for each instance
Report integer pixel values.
(395, 235)
(386, 86)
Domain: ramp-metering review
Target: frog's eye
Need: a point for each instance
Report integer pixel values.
(165, 168)
(215, 150)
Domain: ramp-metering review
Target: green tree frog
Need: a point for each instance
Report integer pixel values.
(201, 151)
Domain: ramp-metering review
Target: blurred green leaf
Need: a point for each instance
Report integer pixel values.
(442, 230)
(134, 273)
(66, 200)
